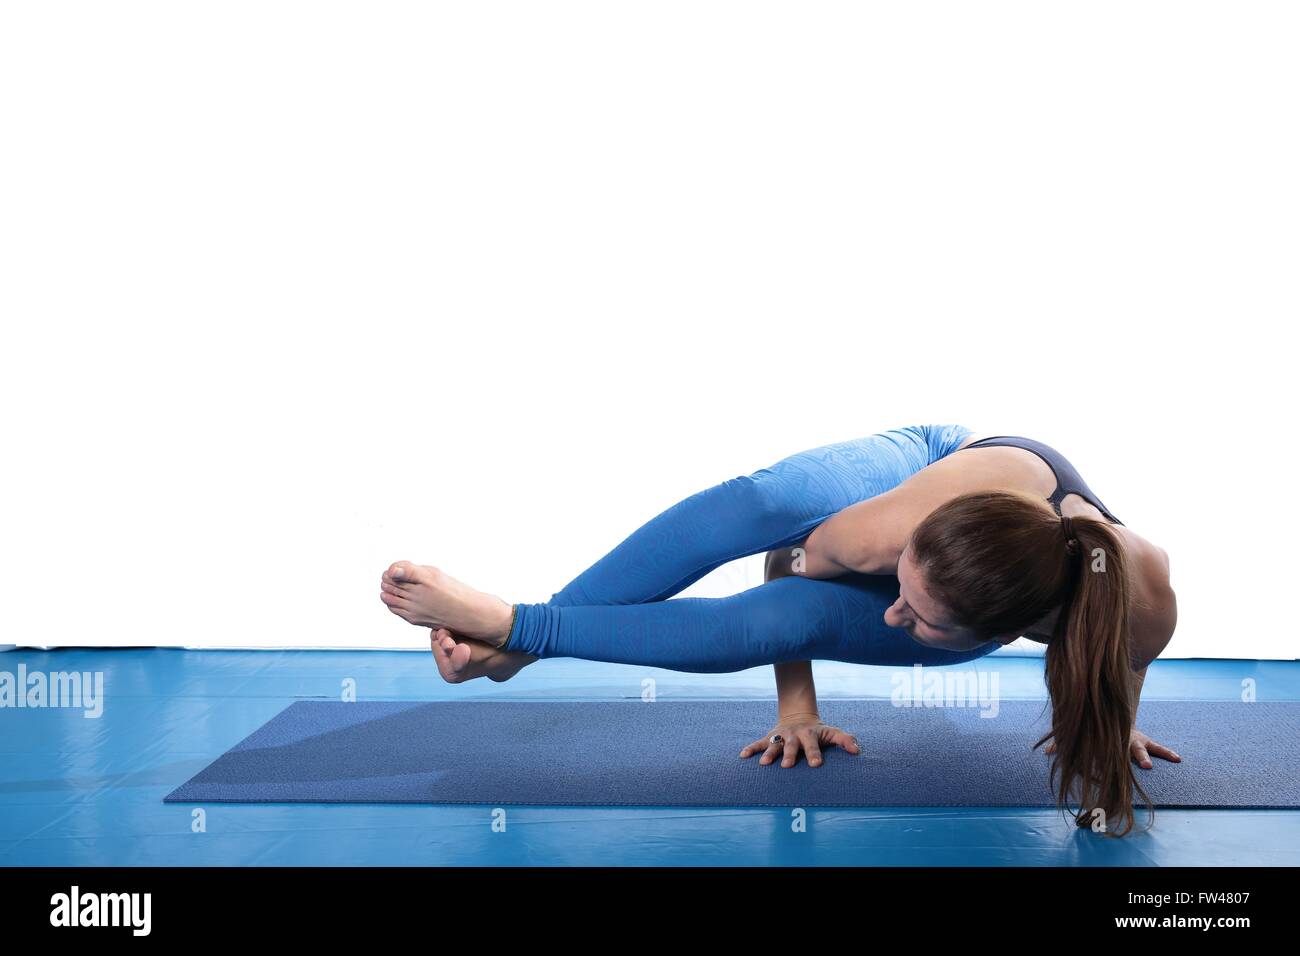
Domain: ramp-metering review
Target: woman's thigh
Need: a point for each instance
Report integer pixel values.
(773, 507)
(840, 619)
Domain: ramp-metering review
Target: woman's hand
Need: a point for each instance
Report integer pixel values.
(1141, 747)
(801, 731)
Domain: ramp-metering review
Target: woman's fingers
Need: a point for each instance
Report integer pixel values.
(1140, 755)
(1143, 748)
(845, 740)
(771, 750)
(765, 745)
(768, 749)
(812, 750)
(812, 741)
(808, 738)
(1163, 752)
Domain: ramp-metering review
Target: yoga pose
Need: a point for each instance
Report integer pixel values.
(924, 544)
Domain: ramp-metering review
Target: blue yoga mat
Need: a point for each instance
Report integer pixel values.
(685, 753)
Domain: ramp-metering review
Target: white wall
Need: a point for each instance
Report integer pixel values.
(293, 290)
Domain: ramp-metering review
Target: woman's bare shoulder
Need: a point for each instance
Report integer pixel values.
(870, 535)
(1154, 611)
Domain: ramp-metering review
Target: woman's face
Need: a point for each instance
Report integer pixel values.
(924, 619)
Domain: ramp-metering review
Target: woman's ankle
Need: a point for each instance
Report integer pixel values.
(503, 638)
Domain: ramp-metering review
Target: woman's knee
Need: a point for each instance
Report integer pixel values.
(781, 508)
(791, 608)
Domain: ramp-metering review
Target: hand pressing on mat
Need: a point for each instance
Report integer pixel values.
(797, 732)
(1141, 747)
(465, 659)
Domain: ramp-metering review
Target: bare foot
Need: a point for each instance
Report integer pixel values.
(428, 597)
(463, 660)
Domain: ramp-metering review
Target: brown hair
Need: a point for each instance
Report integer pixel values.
(999, 561)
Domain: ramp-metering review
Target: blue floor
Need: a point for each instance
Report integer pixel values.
(88, 792)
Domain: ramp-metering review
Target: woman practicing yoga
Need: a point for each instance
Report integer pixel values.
(922, 544)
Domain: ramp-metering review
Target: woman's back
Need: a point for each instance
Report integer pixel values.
(869, 537)
(1067, 477)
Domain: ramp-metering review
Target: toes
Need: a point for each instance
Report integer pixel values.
(460, 656)
(399, 606)
(422, 574)
(453, 658)
(405, 574)
(441, 638)
(443, 648)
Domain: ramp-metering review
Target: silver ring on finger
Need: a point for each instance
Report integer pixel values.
(776, 739)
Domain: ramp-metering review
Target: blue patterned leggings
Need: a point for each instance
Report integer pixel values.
(618, 609)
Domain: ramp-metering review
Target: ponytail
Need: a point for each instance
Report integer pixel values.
(1090, 679)
(1000, 560)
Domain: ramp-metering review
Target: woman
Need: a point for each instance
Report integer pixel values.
(923, 544)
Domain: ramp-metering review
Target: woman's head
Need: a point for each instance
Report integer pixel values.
(983, 567)
(924, 614)
(988, 565)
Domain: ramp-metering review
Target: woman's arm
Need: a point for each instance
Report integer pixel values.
(797, 721)
(1139, 677)
(1154, 615)
(864, 538)
(795, 693)
(1154, 612)
(807, 559)
(868, 537)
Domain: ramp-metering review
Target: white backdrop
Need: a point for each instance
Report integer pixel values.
(293, 290)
